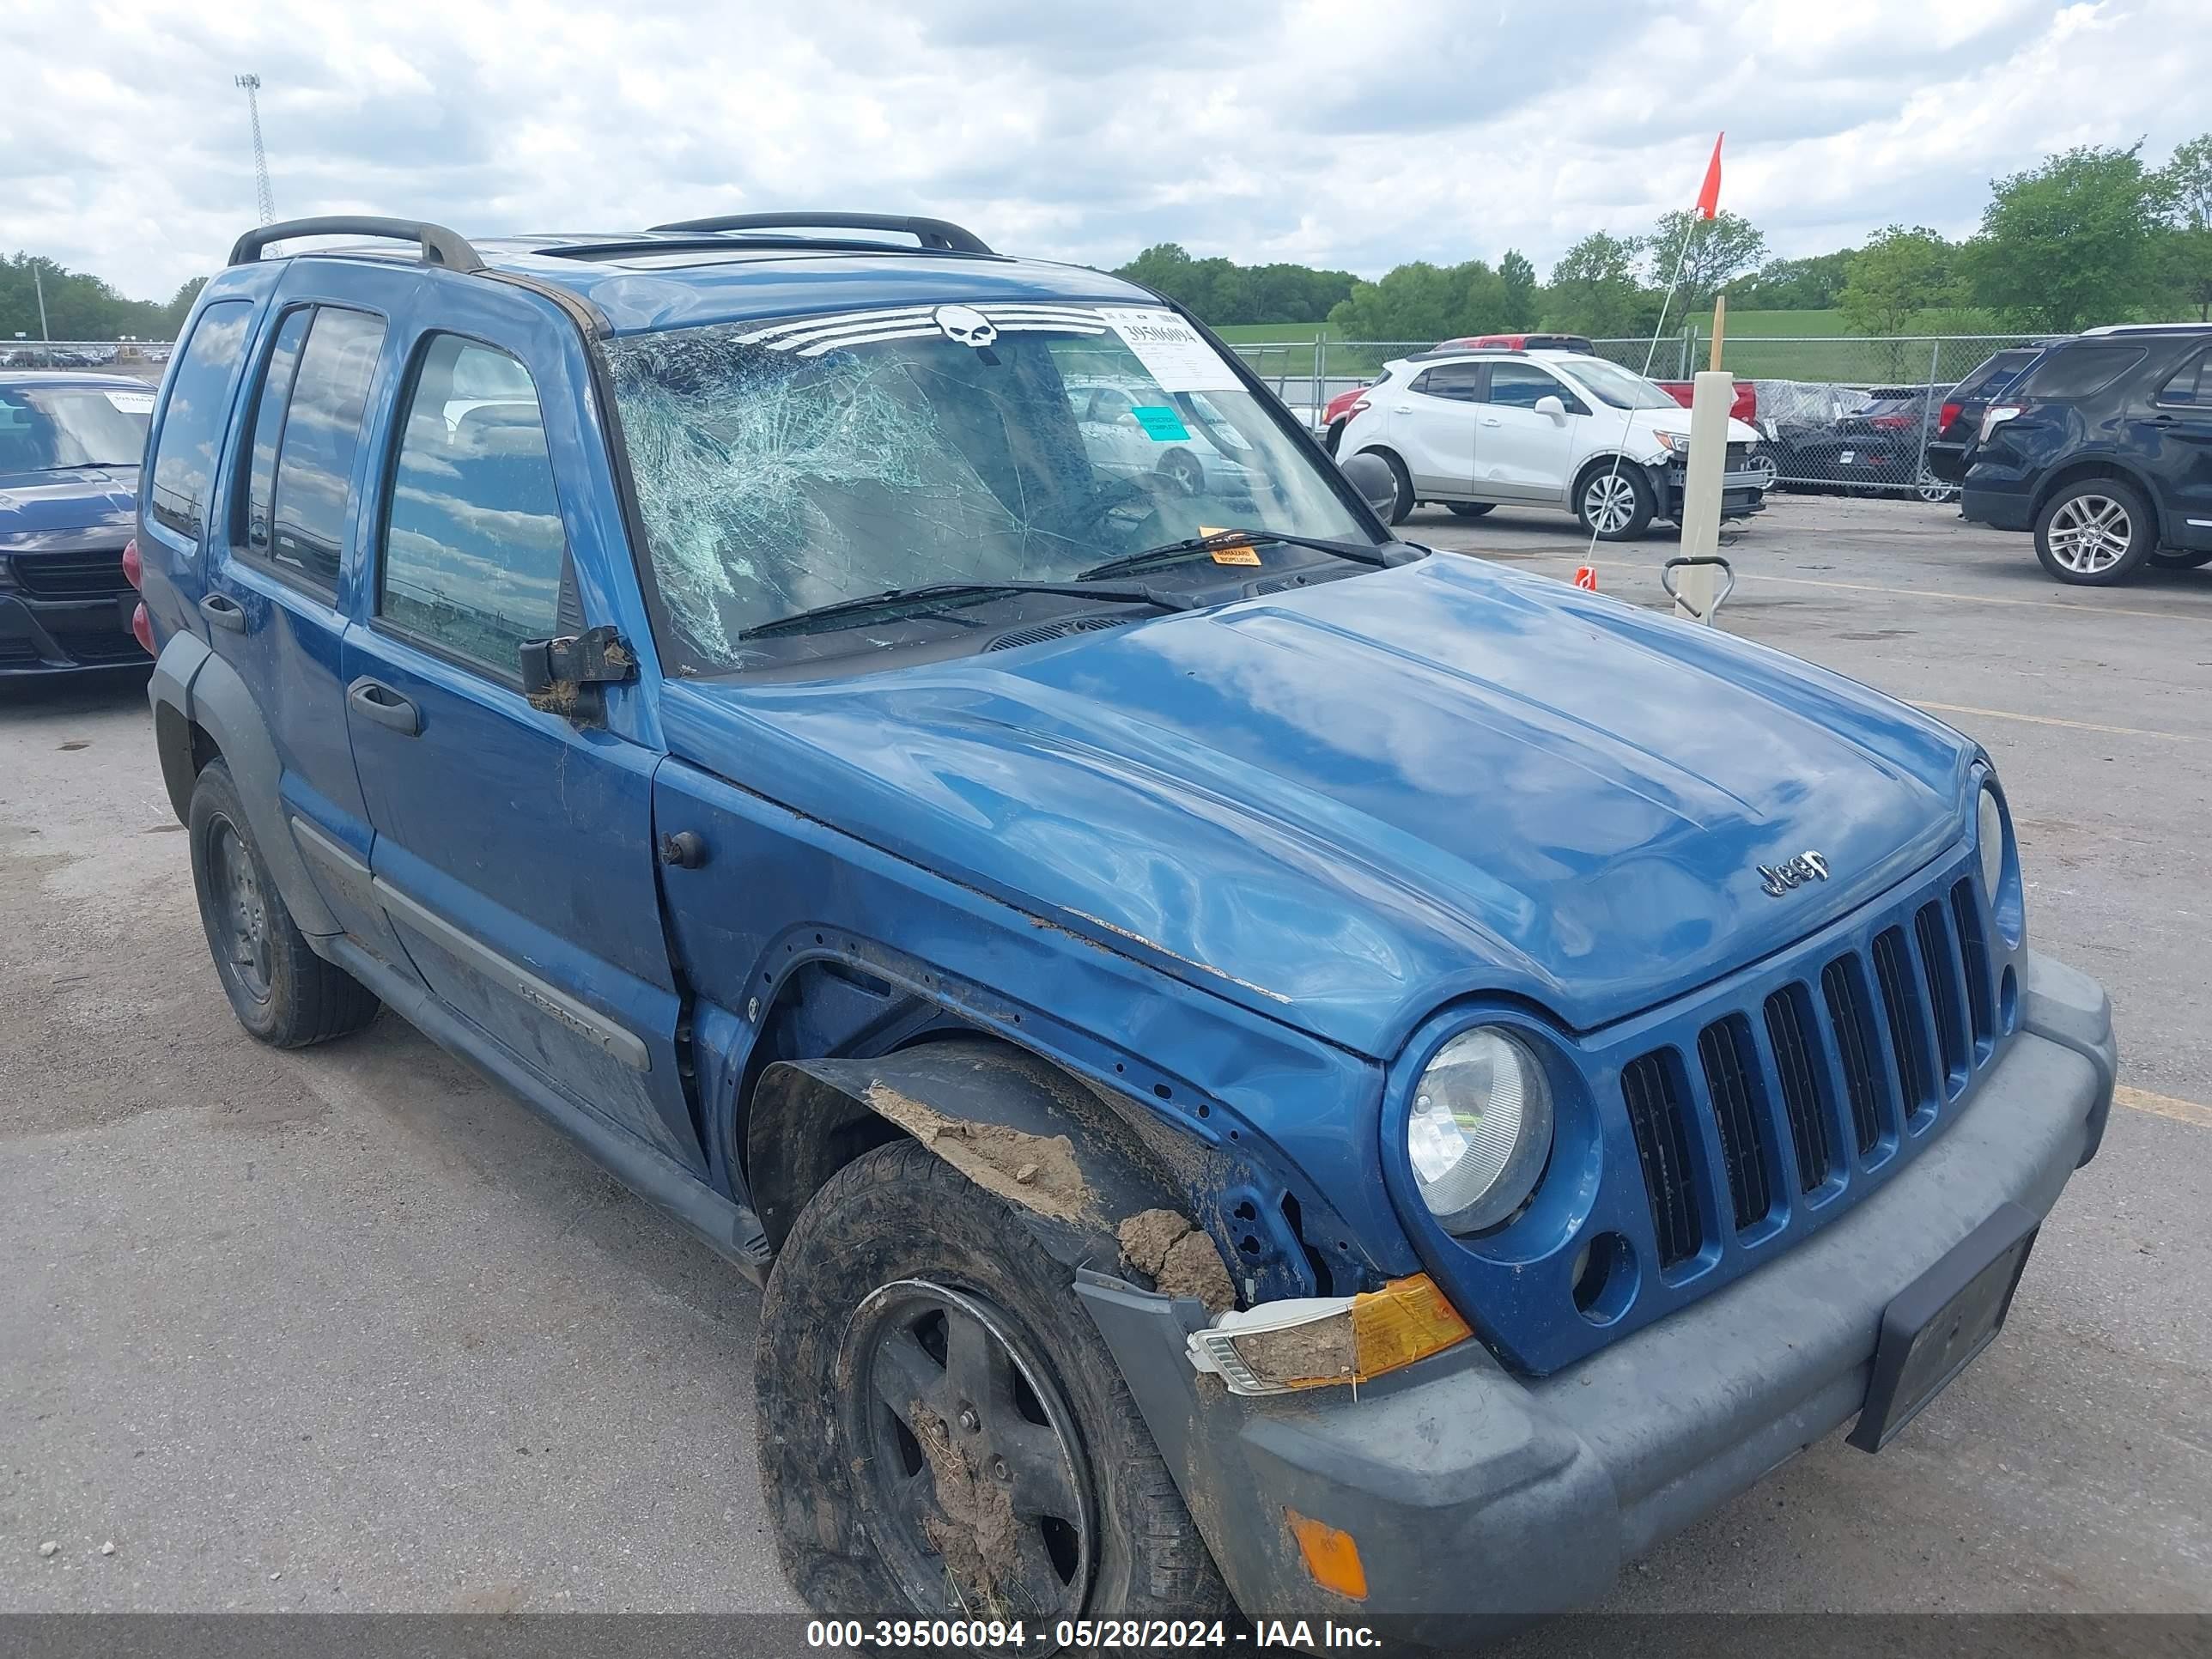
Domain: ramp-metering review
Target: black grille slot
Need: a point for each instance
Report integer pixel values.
(1789, 1028)
(1055, 630)
(73, 576)
(1731, 1077)
(1942, 987)
(1855, 1050)
(1976, 953)
(1893, 972)
(1662, 1145)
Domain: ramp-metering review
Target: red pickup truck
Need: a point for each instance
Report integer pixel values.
(1744, 408)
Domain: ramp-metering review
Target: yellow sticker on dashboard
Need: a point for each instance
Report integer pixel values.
(1234, 553)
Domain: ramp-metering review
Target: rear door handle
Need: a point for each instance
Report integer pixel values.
(1403, 409)
(374, 700)
(1491, 420)
(222, 612)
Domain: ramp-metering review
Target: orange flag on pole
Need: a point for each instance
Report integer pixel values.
(1708, 196)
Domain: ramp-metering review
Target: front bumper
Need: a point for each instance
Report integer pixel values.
(1479, 1499)
(39, 637)
(1742, 493)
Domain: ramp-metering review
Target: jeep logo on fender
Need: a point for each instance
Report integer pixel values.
(1779, 879)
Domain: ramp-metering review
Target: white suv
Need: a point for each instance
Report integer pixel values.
(1476, 428)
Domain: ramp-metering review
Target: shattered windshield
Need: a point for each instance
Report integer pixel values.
(785, 465)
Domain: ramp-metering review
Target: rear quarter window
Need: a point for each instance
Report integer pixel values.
(2079, 371)
(193, 423)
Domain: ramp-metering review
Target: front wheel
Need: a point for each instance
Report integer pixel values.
(941, 1429)
(1616, 504)
(2094, 533)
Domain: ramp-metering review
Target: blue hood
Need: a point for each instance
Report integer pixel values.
(1346, 805)
(49, 509)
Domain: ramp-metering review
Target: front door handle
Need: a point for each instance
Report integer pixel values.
(223, 611)
(1491, 420)
(374, 700)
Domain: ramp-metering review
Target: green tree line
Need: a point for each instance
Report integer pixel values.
(82, 307)
(2093, 234)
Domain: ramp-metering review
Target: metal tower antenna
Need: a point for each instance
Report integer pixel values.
(264, 199)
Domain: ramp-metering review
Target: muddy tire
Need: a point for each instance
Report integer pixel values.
(282, 992)
(941, 1429)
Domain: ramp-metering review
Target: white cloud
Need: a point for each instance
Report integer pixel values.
(1340, 135)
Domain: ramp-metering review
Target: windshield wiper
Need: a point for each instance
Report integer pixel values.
(1221, 540)
(936, 595)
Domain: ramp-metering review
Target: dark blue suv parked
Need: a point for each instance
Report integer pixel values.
(1251, 1060)
(70, 446)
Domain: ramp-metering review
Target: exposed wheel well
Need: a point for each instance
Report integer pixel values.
(185, 748)
(2076, 471)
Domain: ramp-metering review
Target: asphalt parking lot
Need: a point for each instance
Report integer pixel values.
(350, 1330)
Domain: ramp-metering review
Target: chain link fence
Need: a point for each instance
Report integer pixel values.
(1847, 412)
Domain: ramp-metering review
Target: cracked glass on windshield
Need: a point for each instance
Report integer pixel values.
(782, 466)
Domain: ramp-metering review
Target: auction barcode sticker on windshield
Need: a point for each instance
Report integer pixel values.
(1171, 350)
(132, 403)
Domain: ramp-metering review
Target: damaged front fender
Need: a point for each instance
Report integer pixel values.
(1094, 1189)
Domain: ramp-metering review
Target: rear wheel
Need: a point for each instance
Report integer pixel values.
(282, 992)
(941, 1429)
(1183, 472)
(1932, 489)
(1616, 504)
(2094, 533)
(2182, 559)
(1469, 509)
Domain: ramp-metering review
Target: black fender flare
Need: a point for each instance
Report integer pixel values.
(1018, 1126)
(169, 692)
(214, 698)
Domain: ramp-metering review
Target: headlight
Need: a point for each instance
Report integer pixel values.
(1675, 443)
(1481, 1129)
(1989, 831)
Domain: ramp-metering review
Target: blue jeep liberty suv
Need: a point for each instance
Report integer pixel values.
(1257, 1066)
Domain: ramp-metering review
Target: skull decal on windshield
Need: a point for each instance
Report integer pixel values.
(966, 326)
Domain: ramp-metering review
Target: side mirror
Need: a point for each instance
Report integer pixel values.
(1370, 474)
(1548, 404)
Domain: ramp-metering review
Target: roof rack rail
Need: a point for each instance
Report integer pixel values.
(440, 246)
(939, 235)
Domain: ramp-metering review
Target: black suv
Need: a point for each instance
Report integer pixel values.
(2104, 449)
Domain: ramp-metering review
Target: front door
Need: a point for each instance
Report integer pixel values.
(513, 848)
(1520, 454)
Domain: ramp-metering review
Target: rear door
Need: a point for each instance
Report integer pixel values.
(280, 584)
(2176, 437)
(1432, 427)
(513, 849)
(1519, 453)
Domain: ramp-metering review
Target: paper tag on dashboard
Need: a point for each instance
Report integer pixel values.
(1171, 350)
(1239, 553)
(132, 403)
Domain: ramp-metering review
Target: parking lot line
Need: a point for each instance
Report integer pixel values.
(2181, 1111)
(2053, 720)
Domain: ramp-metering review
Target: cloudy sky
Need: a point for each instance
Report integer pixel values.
(1356, 135)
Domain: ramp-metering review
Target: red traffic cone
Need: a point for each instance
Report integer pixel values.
(1586, 578)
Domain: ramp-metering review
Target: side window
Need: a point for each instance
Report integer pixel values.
(2191, 383)
(254, 504)
(473, 546)
(1517, 385)
(1461, 382)
(2079, 371)
(322, 433)
(191, 427)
